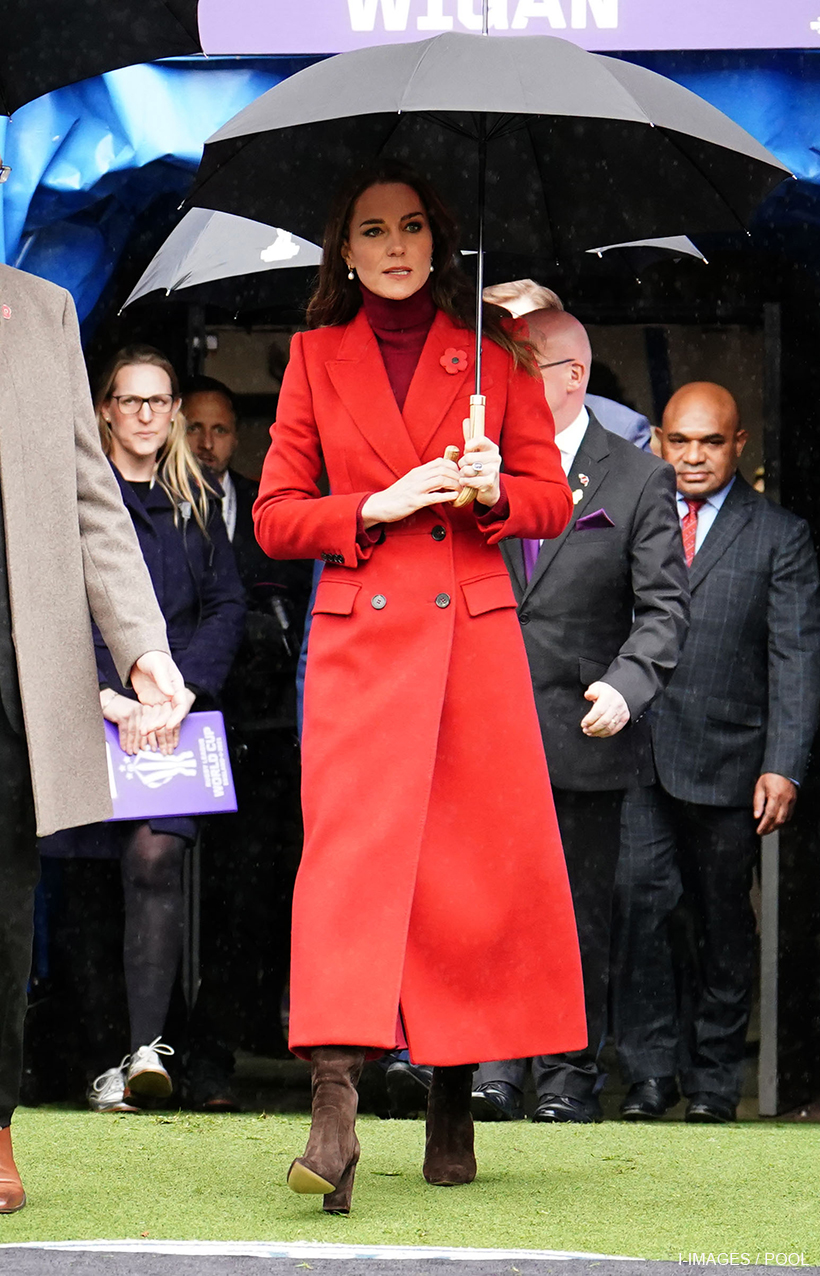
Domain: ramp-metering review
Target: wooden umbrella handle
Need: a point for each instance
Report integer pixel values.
(472, 430)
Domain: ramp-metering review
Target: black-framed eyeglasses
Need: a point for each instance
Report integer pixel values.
(556, 364)
(131, 404)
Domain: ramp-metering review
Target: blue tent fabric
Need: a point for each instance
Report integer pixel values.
(90, 159)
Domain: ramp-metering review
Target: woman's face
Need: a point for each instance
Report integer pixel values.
(389, 244)
(142, 432)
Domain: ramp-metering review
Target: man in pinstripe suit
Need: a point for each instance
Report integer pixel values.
(731, 736)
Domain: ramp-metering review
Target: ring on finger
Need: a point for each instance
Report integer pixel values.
(478, 466)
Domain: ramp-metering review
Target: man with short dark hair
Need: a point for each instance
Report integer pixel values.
(731, 736)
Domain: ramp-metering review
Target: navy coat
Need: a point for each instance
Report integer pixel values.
(197, 586)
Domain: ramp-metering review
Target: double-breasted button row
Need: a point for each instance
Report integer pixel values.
(379, 601)
(438, 533)
(328, 557)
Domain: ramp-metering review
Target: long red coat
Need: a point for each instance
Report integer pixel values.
(432, 878)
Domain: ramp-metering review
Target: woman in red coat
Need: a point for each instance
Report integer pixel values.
(432, 899)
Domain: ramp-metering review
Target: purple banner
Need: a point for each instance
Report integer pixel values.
(194, 780)
(335, 26)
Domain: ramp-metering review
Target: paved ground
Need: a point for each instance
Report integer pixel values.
(32, 1261)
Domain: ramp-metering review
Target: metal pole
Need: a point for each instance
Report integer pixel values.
(485, 18)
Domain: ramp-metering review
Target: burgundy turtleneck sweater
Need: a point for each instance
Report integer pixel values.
(401, 329)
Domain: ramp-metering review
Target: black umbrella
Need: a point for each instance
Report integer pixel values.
(538, 146)
(45, 44)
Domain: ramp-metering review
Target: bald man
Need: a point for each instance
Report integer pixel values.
(603, 613)
(521, 297)
(731, 737)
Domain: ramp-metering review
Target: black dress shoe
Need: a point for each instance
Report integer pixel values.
(649, 1099)
(496, 1101)
(564, 1107)
(408, 1085)
(710, 1109)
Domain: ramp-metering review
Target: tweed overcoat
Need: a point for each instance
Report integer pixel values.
(70, 547)
(432, 879)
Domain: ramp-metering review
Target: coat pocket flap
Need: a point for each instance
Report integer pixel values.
(590, 671)
(741, 715)
(488, 593)
(335, 597)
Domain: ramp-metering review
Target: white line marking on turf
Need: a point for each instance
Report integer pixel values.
(313, 1249)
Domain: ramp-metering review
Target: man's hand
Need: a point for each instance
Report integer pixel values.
(166, 739)
(773, 803)
(158, 683)
(609, 714)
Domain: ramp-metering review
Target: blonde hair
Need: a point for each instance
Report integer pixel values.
(540, 297)
(176, 469)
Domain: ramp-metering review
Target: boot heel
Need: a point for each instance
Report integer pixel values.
(338, 1201)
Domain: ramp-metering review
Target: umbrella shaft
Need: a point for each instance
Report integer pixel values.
(479, 279)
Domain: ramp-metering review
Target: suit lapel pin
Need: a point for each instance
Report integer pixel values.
(577, 496)
(584, 480)
(5, 311)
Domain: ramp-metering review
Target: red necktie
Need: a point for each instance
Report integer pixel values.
(689, 528)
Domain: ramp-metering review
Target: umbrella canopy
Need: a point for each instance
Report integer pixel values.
(580, 149)
(223, 259)
(48, 43)
(640, 253)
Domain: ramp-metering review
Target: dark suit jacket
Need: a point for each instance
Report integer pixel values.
(744, 698)
(605, 603)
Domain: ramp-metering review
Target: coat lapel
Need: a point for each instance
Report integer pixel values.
(592, 462)
(360, 379)
(732, 516)
(433, 389)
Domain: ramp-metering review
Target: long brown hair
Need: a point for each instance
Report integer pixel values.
(336, 299)
(176, 469)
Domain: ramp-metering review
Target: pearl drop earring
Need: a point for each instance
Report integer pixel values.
(350, 274)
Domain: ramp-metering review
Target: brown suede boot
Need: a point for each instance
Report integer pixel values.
(449, 1158)
(329, 1163)
(12, 1196)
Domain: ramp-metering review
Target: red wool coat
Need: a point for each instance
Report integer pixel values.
(432, 878)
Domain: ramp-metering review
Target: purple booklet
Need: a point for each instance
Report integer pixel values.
(194, 780)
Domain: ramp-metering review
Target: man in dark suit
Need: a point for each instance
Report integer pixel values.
(731, 737)
(603, 613)
(249, 858)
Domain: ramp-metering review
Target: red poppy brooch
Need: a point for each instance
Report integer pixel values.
(453, 360)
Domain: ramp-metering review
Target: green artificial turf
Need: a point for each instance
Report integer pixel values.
(653, 1191)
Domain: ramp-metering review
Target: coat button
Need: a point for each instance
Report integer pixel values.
(438, 533)
(442, 600)
(524, 618)
(378, 601)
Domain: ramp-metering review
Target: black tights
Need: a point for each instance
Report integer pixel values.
(152, 886)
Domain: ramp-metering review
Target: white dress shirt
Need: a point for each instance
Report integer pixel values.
(708, 512)
(228, 503)
(569, 440)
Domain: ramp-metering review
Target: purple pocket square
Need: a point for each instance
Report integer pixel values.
(598, 518)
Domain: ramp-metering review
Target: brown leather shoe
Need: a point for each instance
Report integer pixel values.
(12, 1195)
(449, 1158)
(328, 1166)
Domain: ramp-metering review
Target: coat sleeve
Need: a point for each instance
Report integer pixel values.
(660, 587)
(207, 659)
(292, 518)
(539, 504)
(794, 655)
(120, 595)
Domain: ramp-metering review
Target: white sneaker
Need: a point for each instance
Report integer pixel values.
(146, 1075)
(109, 1093)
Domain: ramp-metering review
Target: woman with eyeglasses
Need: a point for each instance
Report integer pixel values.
(177, 517)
